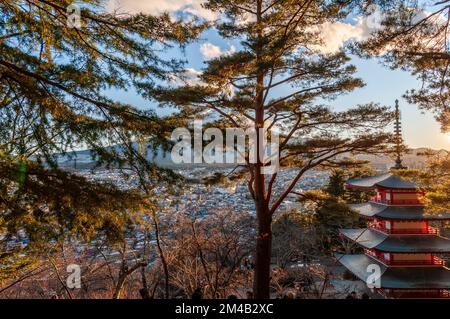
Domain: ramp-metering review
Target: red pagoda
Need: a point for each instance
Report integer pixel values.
(399, 240)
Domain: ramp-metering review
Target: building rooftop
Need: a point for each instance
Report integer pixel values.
(397, 277)
(373, 239)
(371, 209)
(386, 180)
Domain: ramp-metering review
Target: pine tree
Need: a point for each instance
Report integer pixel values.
(279, 50)
(336, 181)
(414, 36)
(338, 177)
(54, 77)
(434, 180)
(329, 208)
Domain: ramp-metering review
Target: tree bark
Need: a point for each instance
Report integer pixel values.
(261, 280)
(119, 286)
(123, 275)
(162, 256)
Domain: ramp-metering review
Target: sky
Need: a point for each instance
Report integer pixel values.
(383, 85)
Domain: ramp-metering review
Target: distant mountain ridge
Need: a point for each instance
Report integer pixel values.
(84, 159)
(413, 159)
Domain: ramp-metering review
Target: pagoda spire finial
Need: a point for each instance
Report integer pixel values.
(398, 137)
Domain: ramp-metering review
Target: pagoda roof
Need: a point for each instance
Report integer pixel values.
(371, 209)
(373, 239)
(397, 277)
(386, 180)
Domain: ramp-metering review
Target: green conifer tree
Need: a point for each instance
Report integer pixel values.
(54, 80)
(414, 36)
(275, 80)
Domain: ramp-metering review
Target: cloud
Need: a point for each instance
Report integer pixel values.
(188, 76)
(211, 51)
(193, 7)
(334, 35)
(192, 76)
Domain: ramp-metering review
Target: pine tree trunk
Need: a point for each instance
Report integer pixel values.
(261, 281)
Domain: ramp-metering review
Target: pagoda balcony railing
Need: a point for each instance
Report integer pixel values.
(404, 231)
(415, 293)
(396, 201)
(435, 261)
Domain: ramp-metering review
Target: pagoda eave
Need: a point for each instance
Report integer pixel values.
(417, 212)
(394, 277)
(373, 239)
(386, 181)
